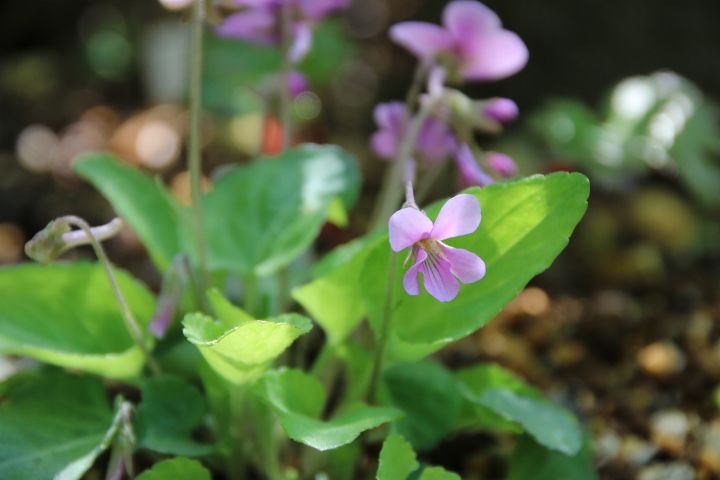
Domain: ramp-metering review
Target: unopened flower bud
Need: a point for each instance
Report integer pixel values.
(468, 112)
(502, 110)
(58, 237)
(502, 164)
(48, 243)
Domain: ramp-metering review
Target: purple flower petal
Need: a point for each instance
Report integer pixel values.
(384, 144)
(502, 110)
(297, 83)
(436, 140)
(470, 172)
(422, 39)
(302, 41)
(391, 115)
(459, 216)
(255, 25)
(502, 164)
(467, 19)
(410, 280)
(439, 280)
(317, 9)
(494, 56)
(408, 226)
(465, 265)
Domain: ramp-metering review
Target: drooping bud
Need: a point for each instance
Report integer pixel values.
(58, 237)
(471, 113)
(501, 163)
(173, 286)
(502, 110)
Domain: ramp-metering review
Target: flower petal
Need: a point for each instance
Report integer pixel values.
(407, 226)
(391, 115)
(439, 280)
(435, 141)
(495, 56)
(501, 109)
(302, 42)
(422, 39)
(470, 172)
(459, 216)
(464, 264)
(410, 280)
(254, 25)
(384, 144)
(466, 19)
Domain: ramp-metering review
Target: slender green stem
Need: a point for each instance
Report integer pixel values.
(392, 190)
(427, 180)
(194, 143)
(131, 323)
(414, 91)
(285, 95)
(323, 360)
(251, 297)
(382, 337)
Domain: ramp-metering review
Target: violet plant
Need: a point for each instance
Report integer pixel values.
(245, 386)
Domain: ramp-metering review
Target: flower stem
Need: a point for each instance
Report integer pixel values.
(285, 96)
(392, 189)
(194, 141)
(384, 331)
(130, 322)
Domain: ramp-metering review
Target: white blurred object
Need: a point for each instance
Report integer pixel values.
(165, 57)
(176, 4)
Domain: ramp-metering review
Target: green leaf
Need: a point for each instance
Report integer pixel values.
(334, 299)
(430, 398)
(170, 410)
(237, 348)
(67, 315)
(531, 460)
(53, 425)
(261, 216)
(526, 224)
(397, 459)
(177, 468)
(283, 389)
(439, 473)
(502, 392)
(141, 201)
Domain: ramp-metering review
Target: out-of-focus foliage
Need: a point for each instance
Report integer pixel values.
(657, 122)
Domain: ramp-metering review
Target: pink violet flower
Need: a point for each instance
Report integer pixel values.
(435, 141)
(442, 267)
(259, 22)
(501, 163)
(471, 41)
(471, 174)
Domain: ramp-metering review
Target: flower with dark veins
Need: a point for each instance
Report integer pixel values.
(442, 266)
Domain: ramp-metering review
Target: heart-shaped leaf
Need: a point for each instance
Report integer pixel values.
(260, 216)
(141, 201)
(531, 460)
(170, 410)
(238, 347)
(505, 394)
(67, 315)
(283, 389)
(53, 425)
(177, 468)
